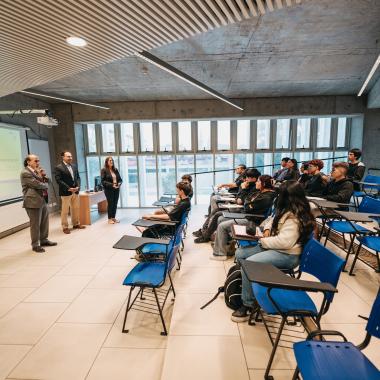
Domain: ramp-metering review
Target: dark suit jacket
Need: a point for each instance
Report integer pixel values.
(32, 189)
(65, 180)
(107, 180)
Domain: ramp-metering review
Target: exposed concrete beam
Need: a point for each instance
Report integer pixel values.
(374, 96)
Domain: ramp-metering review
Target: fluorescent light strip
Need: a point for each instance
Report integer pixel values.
(21, 112)
(64, 100)
(179, 74)
(374, 68)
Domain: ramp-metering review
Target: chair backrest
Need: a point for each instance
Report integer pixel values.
(373, 325)
(322, 263)
(370, 178)
(369, 204)
(171, 259)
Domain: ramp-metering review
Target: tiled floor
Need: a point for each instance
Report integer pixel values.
(61, 314)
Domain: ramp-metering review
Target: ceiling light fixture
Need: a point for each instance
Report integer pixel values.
(374, 68)
(76, 41)
(64, 100)
(181, 75)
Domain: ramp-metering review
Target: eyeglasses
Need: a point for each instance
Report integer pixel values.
(36, 160)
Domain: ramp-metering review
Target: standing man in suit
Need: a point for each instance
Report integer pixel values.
(34, 190)
(67, 177)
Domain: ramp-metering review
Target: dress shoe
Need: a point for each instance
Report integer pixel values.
(66, 231)
(38, 249)
(48, 243)
(79, 227)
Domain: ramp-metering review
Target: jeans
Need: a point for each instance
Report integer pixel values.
(260, 255)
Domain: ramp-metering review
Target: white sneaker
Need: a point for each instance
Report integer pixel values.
(218, 258)
(116, 220)
(110, 221)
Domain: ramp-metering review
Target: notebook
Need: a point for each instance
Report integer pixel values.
(241, 231)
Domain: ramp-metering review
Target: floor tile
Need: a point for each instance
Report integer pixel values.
(204, 358)
(27, 322)
(84, 267)
(110, 278)
(67, 351)
(131, 364)
(10, 297)
(10, 356)
(278, 374)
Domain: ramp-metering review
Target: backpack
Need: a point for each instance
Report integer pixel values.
(231, 289)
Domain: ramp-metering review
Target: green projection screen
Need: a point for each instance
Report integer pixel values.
(13, 149)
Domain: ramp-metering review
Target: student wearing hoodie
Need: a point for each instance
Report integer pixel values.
(339, 189)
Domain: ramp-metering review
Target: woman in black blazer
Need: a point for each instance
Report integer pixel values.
(111, 182)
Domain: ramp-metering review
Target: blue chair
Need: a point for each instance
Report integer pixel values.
(152, 275)
(331, 360)
(280, 295)
(368, 205)
(366, 189)
(371, 242)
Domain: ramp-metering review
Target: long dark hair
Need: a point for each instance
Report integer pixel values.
(106, 163)
(292, 198)
(266, 182)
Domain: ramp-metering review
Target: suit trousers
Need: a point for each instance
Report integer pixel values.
(69, 203)
(112, 196)
(39, 224)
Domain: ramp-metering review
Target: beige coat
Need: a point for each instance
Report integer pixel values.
(286, 239)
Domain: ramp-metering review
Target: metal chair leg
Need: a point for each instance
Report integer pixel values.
(355, 259)
(327, 236)
(349, 252)
(171, 283)
(165, 332)
(126, 311)
(296, 374)
(378, 262)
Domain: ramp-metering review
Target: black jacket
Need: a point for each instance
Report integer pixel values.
(249, 191)
(315, 186)
(107, 180)
(65, 180)
(292, 175)
(259, 204)
(340, 191)
(356, 173)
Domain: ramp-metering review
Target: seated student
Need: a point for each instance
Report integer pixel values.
(292, 173)
(314, 184)
(280, 173)
(258, 204)
(356, 168)
(285, 235)
(232, 187)
(247, 189)
(304, 173)
(187, 178)
(339, 188)
(183, 191)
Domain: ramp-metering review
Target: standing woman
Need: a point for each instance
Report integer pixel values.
(111, 182)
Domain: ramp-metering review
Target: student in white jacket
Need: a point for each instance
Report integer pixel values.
(285, 234)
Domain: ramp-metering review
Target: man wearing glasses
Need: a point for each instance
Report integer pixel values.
(34, 189)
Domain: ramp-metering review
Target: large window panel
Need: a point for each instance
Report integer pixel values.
(165, 132)
(303, 133)
(303, 157)
(244, 158)
(324, 132)
(129, 190)
(224, 161)
(147, 180)
(283, 134)
(224, 134)
(146, 137)
(204, 182)
(166, 174)
(184, 136)
(108, 137)
(127, 137)
(261, 162)
(263, 134)
(341, 133)
(243, 138)
(91, 138)
(93, 170)
(204, 135)
(185, 165)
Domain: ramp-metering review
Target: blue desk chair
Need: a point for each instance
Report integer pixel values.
(368, 205)
(331, 360)
(280, 295)
(366, 189)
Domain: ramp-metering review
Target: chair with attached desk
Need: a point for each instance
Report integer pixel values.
(370, 186)
(335, 360)
(280, 295)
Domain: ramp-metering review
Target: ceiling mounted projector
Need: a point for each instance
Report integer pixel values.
(47, 119)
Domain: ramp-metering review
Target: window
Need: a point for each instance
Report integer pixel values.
(108, 138)
(126, 131)
(283, 134)
(185, 165)
(327, 163)
(243, 138)
(165, 131)
(204, 182)
(204, 135)
(261, 162)
(93, 170)
(303, 156)
(146, 137)
(91, 138)
(244, 158)
(184, 136)
(303, 133)
(166, 174)
(129, 191)
(324, 132)
(147, 180)
(341, 134)
(224, 137)
(263, 134)
(224, 161)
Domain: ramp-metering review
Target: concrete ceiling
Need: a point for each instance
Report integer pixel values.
(319, 47)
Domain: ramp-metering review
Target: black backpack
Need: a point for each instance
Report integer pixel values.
(231, 289)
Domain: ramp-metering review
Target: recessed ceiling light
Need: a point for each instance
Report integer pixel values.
(76, 41)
